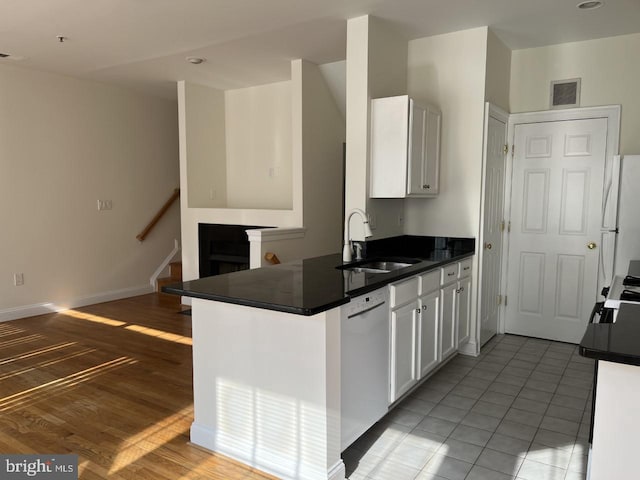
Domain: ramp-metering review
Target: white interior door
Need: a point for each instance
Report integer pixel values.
(556, 209)
(492, 227)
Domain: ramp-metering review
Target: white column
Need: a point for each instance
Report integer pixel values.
(267, 388)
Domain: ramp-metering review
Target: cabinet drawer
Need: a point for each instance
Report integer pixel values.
(402, 292)
(465, 268)
(429, 282)
(449, 274)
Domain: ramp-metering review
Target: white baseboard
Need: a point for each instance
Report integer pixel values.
(469, 348)
(337, 472)
(206, 437)
(50, 307)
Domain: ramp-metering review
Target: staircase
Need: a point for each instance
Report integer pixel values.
(176, 276)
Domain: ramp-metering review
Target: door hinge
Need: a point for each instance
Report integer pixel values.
(505, 300)
(502, 226)
(499, 299)
(509, 227)
(505, 149)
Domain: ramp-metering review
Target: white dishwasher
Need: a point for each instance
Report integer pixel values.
(364, 364)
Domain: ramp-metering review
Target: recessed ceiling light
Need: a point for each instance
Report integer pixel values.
(590, 5)
(195, 60)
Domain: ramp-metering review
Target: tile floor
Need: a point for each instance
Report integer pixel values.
(521, 410)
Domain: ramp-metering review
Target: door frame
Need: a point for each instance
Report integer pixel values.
(490, 110)
(610, 112)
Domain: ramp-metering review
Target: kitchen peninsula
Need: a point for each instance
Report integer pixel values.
(266, 354)
(617, 391)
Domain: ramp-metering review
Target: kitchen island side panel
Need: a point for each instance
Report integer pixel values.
(616, 422)
(267, 388)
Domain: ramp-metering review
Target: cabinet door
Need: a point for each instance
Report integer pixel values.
(424, 150)
(431, 161)
(463, 308)
(428, 333)
(417, 147)
(448, 335)
(403, 349)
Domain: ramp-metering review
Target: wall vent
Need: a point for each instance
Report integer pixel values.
(565, 93)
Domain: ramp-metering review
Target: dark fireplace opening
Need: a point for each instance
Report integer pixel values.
(223, 248)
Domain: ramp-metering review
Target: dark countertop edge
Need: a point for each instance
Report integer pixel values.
(614, 342)
(385, 279)
(609, 356)
(406, 273)
(253, 303)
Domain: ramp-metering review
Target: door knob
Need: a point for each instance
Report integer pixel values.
(591, 245)
(488, 246)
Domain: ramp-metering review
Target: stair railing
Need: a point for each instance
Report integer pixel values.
(175, 195)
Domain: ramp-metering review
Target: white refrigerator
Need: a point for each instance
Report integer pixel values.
(620, 230)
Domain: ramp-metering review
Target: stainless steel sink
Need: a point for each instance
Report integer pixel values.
(379, 265)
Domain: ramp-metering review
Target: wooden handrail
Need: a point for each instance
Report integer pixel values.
(142, 235)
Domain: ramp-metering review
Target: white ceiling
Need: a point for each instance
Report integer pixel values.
(143, 43)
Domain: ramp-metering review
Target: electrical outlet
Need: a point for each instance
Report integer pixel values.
(373, 221)
(18, 279)
(105, 205)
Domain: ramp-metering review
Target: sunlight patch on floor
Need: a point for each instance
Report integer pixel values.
(94, 318)
(46, 363)
(152, 332)
(33, 353)
(54, 387)
(140, 444)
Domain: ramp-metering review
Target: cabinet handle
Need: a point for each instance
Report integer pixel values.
(426, 186)
(417, 310)
(466, 268)
(462, 289)
(451, 274)
(424, 307)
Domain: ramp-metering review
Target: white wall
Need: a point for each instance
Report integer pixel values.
(258, 126)
(192, 216)
(498, 75)
(449, 71)
(316, 134)
(323, 135)
(609, 69)
(376, 67)
(65, 143)
(207, 169)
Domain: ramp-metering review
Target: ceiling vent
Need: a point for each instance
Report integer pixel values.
(565, 93)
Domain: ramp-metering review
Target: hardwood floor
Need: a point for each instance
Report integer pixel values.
(110, 383)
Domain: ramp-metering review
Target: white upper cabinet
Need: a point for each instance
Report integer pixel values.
(405, 148)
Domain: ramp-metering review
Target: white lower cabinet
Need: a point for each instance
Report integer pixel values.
(428, 344)
(463, 309)
(448, 334)
(430, 316)
(403, 349)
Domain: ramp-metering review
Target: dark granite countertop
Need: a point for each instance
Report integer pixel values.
(313, 285)
(615, 342)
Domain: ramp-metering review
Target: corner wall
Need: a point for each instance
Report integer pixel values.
(65, 143)
(448, 71)
(376, 67)
(609, 69)
(322, 132)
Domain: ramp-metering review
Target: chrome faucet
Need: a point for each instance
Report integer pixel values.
(347, 250)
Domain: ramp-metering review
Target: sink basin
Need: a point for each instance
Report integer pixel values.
(379, 265)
